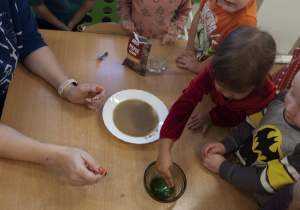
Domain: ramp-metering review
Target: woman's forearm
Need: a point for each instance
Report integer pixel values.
(43, 63)
(14, 145)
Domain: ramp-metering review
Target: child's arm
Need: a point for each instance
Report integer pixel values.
(124, 12)
(190, 49)
(182, 14)
(193, 31)
(245, 177)
(236, 138)
(80, 13)
(231, 143)
(188, 59)
(185, 105)
(201, 65)
(263, 180)
(46, 14)
(164, 160)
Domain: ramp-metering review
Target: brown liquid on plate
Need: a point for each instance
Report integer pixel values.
(135, 118)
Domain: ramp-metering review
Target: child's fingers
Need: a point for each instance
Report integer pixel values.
(194, 126)
(181, 65)
(182, 60)
(168, 178)
(203, 152)
(217, 150)
(193, 116)
(206, 150)
(204, 129)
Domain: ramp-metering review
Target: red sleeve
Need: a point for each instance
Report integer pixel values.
(255, 102)
(184, 106)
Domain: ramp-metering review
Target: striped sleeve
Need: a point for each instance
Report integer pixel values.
(279, 173)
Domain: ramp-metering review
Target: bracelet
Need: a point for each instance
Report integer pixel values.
(64, 85)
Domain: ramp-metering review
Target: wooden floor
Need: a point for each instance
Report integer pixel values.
(276, 67)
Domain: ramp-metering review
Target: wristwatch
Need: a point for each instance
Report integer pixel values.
(64, 85)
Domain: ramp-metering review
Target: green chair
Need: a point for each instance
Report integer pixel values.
(103, 11)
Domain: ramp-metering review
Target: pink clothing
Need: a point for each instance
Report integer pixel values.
(225, 113)
(143, 12)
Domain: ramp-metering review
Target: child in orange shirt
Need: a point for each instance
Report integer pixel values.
(212, 22)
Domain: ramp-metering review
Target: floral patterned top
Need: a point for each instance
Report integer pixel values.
(143, 13)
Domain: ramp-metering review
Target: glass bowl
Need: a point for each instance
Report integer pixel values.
(157, 188)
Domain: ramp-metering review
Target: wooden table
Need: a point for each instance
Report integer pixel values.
(35, 109)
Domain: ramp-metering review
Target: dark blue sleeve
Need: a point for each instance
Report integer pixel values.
(31, 38)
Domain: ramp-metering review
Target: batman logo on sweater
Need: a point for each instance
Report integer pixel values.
(266, 144)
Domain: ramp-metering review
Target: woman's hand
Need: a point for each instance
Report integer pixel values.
(79, 167)
(91, 95)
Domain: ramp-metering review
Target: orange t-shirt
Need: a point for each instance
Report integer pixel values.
(214, 24)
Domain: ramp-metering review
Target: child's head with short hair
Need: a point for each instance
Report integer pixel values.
(243, 60)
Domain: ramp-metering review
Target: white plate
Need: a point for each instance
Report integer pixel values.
(117, 98)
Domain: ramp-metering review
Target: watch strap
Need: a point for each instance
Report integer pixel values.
(64, 85)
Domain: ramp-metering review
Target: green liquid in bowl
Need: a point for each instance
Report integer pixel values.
(159, 188)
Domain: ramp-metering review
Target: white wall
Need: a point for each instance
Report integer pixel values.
(281, 18)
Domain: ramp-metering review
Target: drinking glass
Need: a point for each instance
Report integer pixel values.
(159, 52)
